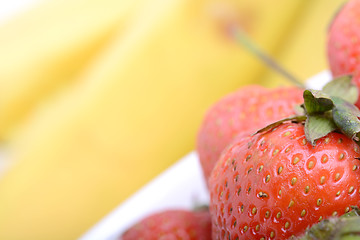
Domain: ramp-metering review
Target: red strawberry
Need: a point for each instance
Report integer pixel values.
(242, 112)
(172, 224)
(277, 184)
(344, 42)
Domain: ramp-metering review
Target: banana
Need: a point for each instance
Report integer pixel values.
(132, 112)
(303, 52)
(43, 50)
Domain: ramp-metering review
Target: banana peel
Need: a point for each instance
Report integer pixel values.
(132, 112)
(44, 49)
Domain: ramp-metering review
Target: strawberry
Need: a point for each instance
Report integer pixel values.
(277, 183)
(241, 112)
(343, 42)
(288, 176)
(172, 224)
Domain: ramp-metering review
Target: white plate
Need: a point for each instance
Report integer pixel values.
(180, 186)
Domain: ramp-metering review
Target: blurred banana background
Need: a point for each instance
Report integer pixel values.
(97, 97)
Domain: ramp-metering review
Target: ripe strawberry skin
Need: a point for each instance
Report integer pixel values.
(275, 184)
(242, 112)
(343, 42)
(172, 224)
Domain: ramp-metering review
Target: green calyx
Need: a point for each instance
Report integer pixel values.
(328, 110)
(332, 109)
(346, 227)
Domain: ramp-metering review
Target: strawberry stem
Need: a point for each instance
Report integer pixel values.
(241, 37)
(327, 110)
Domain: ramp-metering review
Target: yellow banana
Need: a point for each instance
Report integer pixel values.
(44, 49)
(133, 111)
(303, 52)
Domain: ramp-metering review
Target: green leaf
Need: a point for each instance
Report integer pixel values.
(355, 211)
(345, 116)
(278, 123)
(317, 102)
(346, 227)
(299, 110)
(342, 87)
(317, 127)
